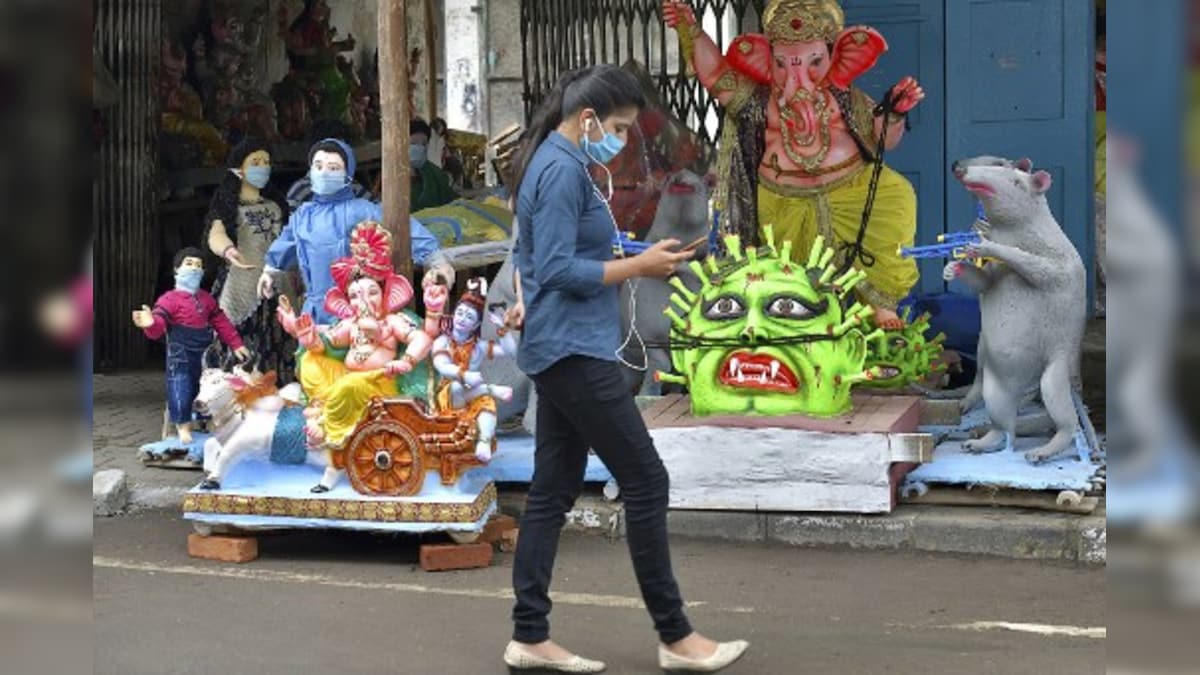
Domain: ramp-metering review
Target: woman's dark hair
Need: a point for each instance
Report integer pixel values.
(224, 203)
(189, 252)
(605, 89)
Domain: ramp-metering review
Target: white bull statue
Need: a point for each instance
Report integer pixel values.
(245, 409)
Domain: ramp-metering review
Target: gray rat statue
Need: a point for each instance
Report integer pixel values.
(1032, 297)
(683, 215)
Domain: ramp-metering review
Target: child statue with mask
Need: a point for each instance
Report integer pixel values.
(187, 316)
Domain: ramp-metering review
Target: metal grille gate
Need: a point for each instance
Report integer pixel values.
(126, 35)
(560, 35)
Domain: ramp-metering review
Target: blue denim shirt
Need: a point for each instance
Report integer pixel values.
(565, 234)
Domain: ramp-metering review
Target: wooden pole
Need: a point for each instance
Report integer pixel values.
(431, 60)
(393, 100)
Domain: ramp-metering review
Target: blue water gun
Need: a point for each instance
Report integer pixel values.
(950, 245)
(623, 241)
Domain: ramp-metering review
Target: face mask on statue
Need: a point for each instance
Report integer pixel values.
(605, 149)
(325, 183)
(258, 176)
(418, 154)
(188, 279)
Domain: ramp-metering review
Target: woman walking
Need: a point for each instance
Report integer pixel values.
(569, 285)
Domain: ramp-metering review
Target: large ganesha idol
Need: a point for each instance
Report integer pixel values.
(365, 388)
(766, 336)
(799, 139)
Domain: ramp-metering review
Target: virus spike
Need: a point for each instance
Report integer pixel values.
(769, 238)
(854, 281)
(826, 256)
(676, 320)
(924, 318)
(785, 254)
(668, 378)
(818, 248)
(682, 304)
(939, 368)
(733, 244)
(907, 314)
(876, 334)
(752, 255)
(698, 270)
(938, 339)
(682, 288)
(713, 266)
(845, 278)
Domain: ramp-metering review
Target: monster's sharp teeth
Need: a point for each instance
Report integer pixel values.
(740, 377)
(774, 369)
(733, 367)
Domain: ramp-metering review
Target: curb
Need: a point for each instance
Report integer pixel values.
(987, 531)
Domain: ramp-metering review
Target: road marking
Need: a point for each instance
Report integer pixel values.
(584, 599)
(1095, 633)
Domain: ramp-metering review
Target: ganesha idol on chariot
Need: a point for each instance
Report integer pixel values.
(800, 140)
(371, 367)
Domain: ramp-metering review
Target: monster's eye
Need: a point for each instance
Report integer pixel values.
(791, 308)
(725, 307)
(899, 343)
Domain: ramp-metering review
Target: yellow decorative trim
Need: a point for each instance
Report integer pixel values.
(687, 44)
(375, 510)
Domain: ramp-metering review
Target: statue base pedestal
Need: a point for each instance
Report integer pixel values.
(171, 453)
(851, 463)
(259, 495)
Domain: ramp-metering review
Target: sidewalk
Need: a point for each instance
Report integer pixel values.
(128, 413)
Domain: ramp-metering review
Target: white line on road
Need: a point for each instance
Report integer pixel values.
(1095, 633)
(586, 599)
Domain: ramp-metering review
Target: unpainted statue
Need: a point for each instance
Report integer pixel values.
(682, 215)
(1032, 297)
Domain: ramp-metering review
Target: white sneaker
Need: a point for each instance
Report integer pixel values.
(521, 661)
(727, 653)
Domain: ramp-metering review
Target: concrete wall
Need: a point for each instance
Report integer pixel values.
(502, 64)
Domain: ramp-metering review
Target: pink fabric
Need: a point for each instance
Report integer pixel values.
(181, 308)
(81, 295)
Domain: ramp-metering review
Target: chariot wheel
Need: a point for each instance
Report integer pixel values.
(385, 459)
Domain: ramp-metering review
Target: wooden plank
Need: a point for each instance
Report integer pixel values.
(652, 414)
(984, 496)
(394, 100)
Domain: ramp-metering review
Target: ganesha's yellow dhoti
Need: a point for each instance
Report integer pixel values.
(835, 211)
(344, 393)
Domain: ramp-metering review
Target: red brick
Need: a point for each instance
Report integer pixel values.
(508, 541)
(223, 548)
(442, 557)
(496, 527)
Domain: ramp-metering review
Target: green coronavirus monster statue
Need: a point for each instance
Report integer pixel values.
(765, 336)
(904, 357)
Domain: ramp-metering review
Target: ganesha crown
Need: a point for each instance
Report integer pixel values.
(794, 21)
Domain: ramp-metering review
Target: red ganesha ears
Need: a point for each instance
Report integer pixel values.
(750, 55)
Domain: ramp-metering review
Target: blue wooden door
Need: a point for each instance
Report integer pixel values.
(916, 46)
(1019, 83)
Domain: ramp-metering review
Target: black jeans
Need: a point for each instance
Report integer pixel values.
(584, 402)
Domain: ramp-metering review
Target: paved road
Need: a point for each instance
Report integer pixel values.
(353, 603)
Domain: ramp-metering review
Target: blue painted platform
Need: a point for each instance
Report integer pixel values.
(166, 452)
(951, 465)
(259, 495)
(513, 461)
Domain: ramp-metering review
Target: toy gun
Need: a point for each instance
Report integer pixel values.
(623, 241)
(952, 245)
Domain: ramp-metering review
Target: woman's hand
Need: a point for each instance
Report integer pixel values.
(660, 260)
(515, 316)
